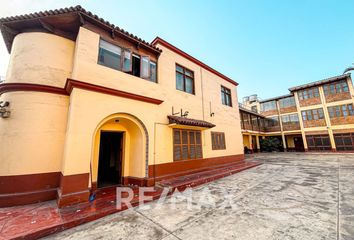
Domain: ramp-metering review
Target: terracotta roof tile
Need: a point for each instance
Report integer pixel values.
(189, 122)
(77, 9)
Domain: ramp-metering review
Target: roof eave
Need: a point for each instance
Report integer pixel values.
(83, 14)
(276, 98)
(320, 82)
(163, 42)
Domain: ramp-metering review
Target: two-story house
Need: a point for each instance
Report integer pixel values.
(89, 105)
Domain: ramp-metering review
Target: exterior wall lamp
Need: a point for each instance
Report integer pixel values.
(4, 111)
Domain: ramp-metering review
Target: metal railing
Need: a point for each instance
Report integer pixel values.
(247, 107)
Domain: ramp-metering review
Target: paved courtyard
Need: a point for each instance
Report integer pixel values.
(290, 196)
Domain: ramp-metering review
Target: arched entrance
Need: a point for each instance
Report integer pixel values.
(119, 151)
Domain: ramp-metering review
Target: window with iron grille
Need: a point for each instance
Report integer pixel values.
(187, 144)
(218, 140)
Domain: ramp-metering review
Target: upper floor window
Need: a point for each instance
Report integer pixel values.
(336, 87)
(122, 59)
(341, 111)
(309, 93)
(268, 106)
(287, 102)
(111, 55)
(226, 96)
(313, 114)
(246, 118)
(289, 119)
(184, 79)
(272, 121)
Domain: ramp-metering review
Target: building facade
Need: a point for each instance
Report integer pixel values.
(318, 116)
(89, 105)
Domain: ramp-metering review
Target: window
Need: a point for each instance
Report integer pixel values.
(272, 122)
(344, 141)
(110, 55)
(187, 144)
(184, 79)
(313, 114)
(318, 142)
(145, 67)
(246, 122)
(290, 119)
(136, 65)
(127, 63)
(226, 96)
(114, 57)
(124, 60)
(287, 102)
(268, 106)
(308, 93)
(153, 72)
(341, 111)
(218, 140)
(336, 87)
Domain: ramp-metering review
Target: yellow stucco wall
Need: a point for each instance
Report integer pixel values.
(290, 141)
(40, 58)
(32, 139)
(61, 133)
(246, 142)
(87, 109)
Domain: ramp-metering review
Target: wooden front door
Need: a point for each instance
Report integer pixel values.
(299, 144)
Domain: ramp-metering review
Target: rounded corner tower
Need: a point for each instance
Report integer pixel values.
(33, 130)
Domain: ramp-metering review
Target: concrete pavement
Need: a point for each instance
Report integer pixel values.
(291, 196)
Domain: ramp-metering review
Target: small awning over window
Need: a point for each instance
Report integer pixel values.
(176, 121)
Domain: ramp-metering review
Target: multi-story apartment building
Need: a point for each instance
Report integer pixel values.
(86, 105)
(318, 116)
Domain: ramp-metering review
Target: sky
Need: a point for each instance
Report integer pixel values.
(266, 46)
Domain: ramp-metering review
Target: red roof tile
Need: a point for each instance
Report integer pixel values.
(189, 122)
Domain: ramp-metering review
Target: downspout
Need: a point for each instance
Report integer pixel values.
(202, 89)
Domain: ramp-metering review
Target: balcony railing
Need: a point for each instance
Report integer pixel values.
(247, 107)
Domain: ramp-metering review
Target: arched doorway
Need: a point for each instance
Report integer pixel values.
(119, 151)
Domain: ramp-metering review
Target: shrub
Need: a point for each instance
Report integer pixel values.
(270, 144)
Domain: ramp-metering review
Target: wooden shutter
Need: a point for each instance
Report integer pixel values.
(187, 144)
(218, 140)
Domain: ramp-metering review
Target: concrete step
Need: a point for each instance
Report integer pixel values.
(213, 173)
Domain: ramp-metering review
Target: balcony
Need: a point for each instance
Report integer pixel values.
(240, 105)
